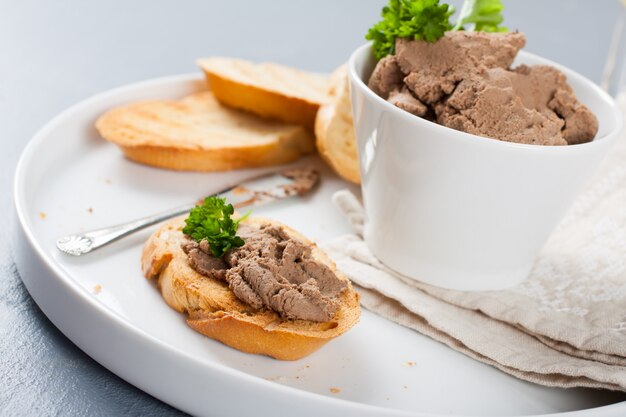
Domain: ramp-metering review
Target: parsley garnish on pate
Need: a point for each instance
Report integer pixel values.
(212, 222)
(428, 20)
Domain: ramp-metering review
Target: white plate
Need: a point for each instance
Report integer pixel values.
(69, 179)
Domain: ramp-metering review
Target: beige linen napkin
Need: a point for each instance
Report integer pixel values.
(564, 326)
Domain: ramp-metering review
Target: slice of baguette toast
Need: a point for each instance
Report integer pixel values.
(267, 89)
(198, 133)
(216, 312)
(334, 129)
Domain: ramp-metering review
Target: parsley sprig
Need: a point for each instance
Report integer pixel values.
(428, 20)
(485, 15)
(416, 19)
(212, 221)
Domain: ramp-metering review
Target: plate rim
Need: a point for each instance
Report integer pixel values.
(130, 330)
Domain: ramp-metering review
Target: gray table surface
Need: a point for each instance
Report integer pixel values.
(54, 54)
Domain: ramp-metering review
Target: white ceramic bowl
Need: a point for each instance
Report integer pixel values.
(461, 211)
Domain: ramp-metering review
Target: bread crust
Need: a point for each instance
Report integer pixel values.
(216, 312)
(334, 129)
(263, 90)
(199, 134)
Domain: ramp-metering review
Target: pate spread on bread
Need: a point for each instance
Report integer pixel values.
(277, 295)
(273, 270)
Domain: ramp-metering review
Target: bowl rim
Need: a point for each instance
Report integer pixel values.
(570, 74)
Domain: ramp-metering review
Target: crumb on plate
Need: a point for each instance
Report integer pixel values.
(275, 378)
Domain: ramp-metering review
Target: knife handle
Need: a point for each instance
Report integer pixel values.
(257, 191)
(82, 243)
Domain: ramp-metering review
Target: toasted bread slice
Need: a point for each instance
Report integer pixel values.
(216, 312)
(334, 129)
(197, 133)
(267, 89)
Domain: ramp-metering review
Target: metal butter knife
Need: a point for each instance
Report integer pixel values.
(254, 192)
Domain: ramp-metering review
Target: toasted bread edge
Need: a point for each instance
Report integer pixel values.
(145, 148)
(265, 103)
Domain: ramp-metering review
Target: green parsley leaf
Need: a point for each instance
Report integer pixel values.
(428, 20)
(212, 221)
(485, 15)
(416, 19)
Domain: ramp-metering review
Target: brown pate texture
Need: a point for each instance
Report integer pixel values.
(272, 270)
(465, 81)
